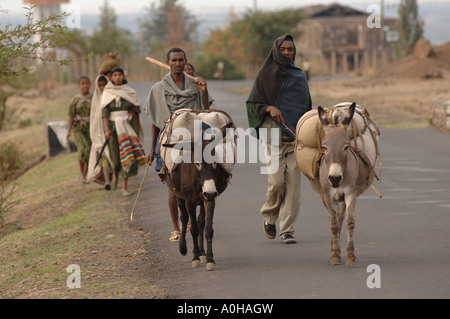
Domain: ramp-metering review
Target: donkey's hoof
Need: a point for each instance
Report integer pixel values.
(350, 263)
(183, 250)
(210, 266)
(335, 260)
(351, 260)
(203, 259)
(195, 263)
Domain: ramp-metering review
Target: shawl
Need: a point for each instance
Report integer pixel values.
(165, 98)
(114, 92)
(97, 135)
(282, 84)
(130, 147)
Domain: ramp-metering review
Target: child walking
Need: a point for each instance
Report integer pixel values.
(79, 113)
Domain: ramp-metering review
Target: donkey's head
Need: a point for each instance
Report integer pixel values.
(335, 144)
(208, 173)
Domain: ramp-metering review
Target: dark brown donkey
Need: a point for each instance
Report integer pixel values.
(342, 177)
(198, 184)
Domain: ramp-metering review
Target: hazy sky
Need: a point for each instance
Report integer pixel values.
(435, 14)
(132, 6)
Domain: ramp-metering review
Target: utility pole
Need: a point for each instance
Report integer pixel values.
(382, 31)
(382, 21)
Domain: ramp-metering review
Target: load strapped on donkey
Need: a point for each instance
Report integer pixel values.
(185, 125)
(363, 133)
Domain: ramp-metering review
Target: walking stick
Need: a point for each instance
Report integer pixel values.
(139, 192)
(99, 156)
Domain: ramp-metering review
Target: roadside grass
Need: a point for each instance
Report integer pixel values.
(57, 222)
(35, 108)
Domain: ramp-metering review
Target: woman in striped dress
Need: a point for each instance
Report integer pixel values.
(120, 113)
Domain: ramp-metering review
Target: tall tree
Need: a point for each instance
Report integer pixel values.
(167, 24)
(410, 25)
(108, 36)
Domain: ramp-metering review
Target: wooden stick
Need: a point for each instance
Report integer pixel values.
(165, 66)
(139, 192)
(289, 130)
(151, 60)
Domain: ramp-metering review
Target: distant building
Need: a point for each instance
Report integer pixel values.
(337, 39)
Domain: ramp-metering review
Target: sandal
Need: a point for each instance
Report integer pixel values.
(174, 236)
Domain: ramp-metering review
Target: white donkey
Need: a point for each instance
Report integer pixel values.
(343, 176)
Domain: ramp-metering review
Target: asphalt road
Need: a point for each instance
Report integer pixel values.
(405, 234)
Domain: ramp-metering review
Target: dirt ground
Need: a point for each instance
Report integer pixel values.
(399, 95)
(392, 102)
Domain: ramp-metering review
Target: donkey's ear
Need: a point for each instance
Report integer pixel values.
(323, 116)
(349, 115)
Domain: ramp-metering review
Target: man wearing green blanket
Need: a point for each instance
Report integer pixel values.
(279, 98)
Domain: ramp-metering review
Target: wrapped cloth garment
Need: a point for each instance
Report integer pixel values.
(130, 147)
(97, 134)
(165, 98)
(79, 110)
(125, 147)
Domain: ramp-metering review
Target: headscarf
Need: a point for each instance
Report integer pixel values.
(115, 92)
(282, 84)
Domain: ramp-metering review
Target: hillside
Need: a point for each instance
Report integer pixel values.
(400, 94)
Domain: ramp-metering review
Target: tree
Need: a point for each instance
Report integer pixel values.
(108, 36)
(410, 25)
(17, 43)
(207, 68)
(248, 40)
(262, 28)
(78, 46)
(166, 25)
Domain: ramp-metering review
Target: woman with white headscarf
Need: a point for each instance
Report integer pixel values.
(120, 114)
